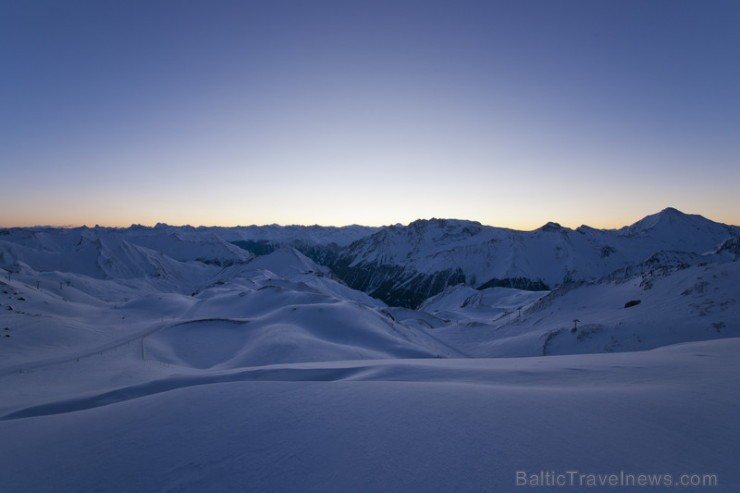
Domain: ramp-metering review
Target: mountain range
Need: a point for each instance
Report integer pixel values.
(400, 265)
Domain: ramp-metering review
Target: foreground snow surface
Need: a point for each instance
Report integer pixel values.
(115, 422)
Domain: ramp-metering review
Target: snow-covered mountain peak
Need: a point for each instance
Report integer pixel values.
(442, 223)
(552, 227)
(584, 229)
(441, 229)
(671, 227)
(668, 218)
(421, 237)
(285, 262)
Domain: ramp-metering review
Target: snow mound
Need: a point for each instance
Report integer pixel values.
(292, 333)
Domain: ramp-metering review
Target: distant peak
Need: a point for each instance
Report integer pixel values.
(585, 228)
(424, 222)
(552, 226)
(442, 223)
(667, 213)
(671, 219)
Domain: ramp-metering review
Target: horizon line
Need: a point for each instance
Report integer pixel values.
(316, 225)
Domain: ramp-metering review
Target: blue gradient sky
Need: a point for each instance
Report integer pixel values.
(512, 113)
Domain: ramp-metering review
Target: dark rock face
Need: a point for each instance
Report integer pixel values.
(517, 283)
(321, 254)
(395, 285)
(257, 247)
(607, 251)
(731, 247)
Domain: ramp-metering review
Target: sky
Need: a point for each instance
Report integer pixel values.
(511, 113)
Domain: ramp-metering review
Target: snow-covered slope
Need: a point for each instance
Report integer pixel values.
(668, 299)
(376, 426)
(112, 253)
(276, 308)
(463, 303)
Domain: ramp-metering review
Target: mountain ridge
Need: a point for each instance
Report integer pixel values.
(432, 254)
(401, 265)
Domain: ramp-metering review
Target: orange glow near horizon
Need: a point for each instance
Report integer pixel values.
(235, 220)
